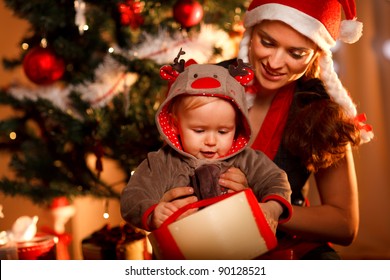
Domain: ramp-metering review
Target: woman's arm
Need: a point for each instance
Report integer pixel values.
(336, 220)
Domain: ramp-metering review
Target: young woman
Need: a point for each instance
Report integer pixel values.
(304, 119)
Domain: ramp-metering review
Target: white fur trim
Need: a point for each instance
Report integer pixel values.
(243, 52)
(333, 85)
(303, 23)
(366, 136)
(350, 31)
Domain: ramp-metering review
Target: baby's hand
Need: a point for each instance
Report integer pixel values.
(272, 211)
(162, 211)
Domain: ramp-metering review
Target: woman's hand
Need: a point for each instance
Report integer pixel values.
(171, 201)
(233, 179)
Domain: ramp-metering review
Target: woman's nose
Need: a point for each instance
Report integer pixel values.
(276, 59)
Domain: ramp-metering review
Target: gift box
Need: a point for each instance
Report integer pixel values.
(230, 226)
(117, 243)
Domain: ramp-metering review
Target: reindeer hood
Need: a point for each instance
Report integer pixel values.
(206, 80)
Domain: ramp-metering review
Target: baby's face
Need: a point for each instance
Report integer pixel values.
(207, 132)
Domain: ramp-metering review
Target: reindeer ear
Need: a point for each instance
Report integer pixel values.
(170, 72)
(246, 78)
(167, 72)
(243, 73)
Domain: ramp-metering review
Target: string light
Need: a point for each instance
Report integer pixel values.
(386, 49)
(12, 135)
(80, 19)
(43, 42)
(25, 46)
(105, 214)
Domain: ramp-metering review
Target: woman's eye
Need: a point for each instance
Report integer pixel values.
(297, 55)
(266, 43)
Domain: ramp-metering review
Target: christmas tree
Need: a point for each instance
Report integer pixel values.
(94, 67)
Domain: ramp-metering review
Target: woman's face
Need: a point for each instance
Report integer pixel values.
(279, 54)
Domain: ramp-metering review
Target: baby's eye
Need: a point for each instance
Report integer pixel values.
(198, 130)
(223, 131)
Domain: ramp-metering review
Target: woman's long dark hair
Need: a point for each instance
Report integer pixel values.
(318, 129)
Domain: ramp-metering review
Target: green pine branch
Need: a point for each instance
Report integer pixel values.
(51, 149)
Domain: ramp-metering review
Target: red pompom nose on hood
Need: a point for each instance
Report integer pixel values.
(205, 82)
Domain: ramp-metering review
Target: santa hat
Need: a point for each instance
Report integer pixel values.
(321, 22)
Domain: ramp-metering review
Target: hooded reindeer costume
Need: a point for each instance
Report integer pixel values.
(172, 167)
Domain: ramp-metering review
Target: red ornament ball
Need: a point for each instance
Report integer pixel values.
(130, 13)
(42, 66)
(188, 12)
